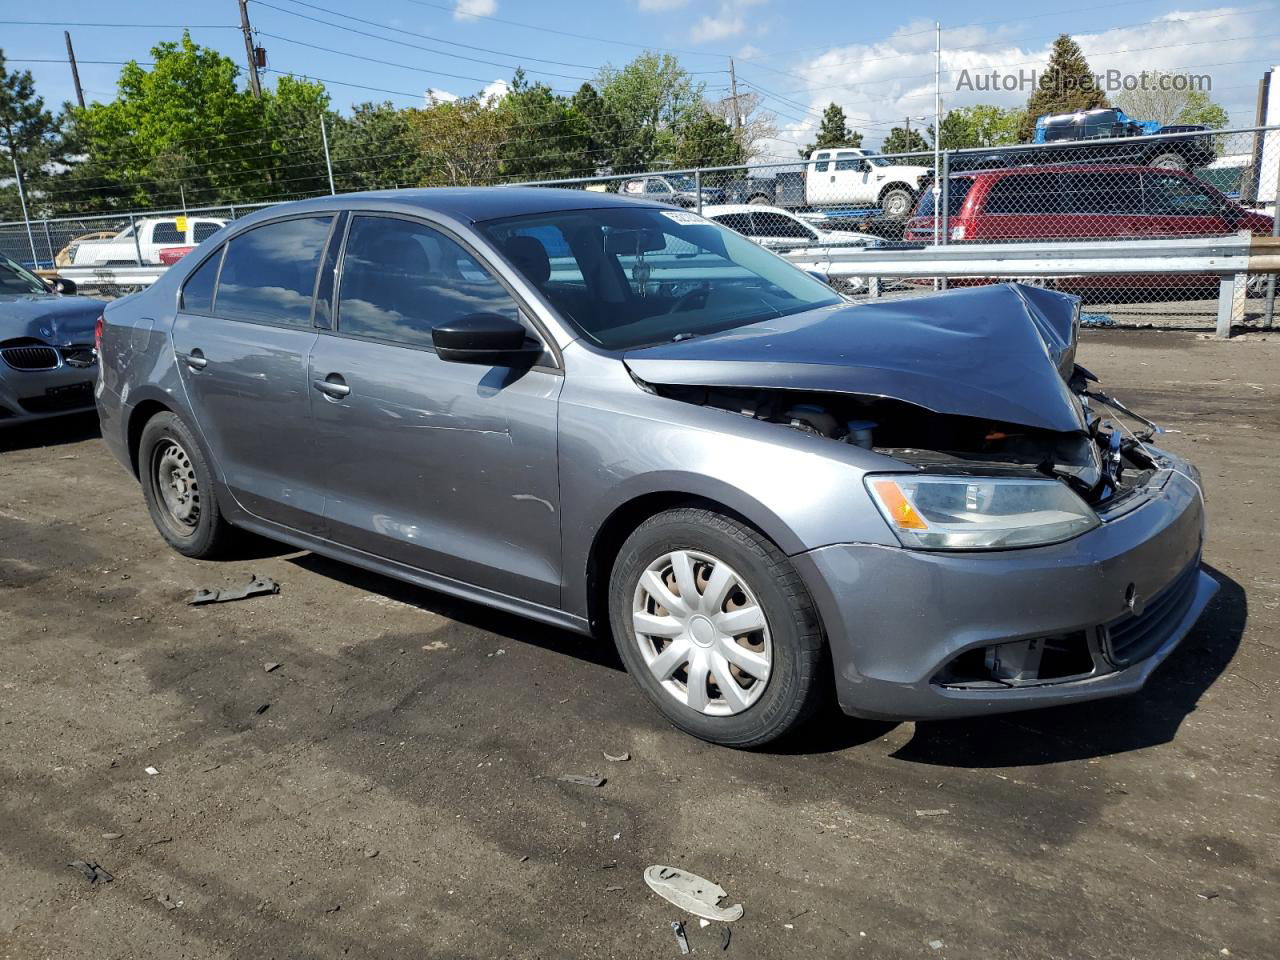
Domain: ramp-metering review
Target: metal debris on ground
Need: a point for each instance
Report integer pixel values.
(681, 939)
(152, 772)
(936, 944)
(1096, 320)
(932, 813)
(92, 872)
(263, 709)
(617, 757)
(167, 903)
(691, 893)
(257, 586)
(583, 780)
(268, 667)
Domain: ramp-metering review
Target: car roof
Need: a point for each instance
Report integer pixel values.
(1029, 169)
(719, 209)
(473, 204)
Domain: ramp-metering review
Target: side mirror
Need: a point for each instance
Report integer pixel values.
(486, 338)
(64, 286)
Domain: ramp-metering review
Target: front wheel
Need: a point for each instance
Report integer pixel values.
(717, 628)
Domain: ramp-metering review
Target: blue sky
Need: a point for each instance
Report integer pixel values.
(876, 59)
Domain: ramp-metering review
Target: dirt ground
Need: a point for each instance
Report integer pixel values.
(390, 790)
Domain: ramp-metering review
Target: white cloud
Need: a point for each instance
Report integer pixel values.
(880, 83)
(729, 20)
(495, 91)
(748, 52)
(470, 9)
(434, 96)
(489, 92)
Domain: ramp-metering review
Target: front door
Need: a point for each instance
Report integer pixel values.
(447, 467)
(243, 356)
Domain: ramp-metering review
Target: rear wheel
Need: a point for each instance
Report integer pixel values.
(1169, 161)
(716, 627)
(178, 487)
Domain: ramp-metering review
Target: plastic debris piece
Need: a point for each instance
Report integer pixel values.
(691, 893)
(268, 667)
(726, 934)
(92, 872)
(1096, 320)
(704, 922)
(617, 758)
(112, 836)
(167, 903)
(263, 709)
(681, 939)
(614, 889)
(370, 853)
(583, 779)
(936, 944)
(257, 586)
(932, 813)
(1208, 894)
(152, 772)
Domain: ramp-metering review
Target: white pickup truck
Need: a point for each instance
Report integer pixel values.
(152, 236)
(839, 177)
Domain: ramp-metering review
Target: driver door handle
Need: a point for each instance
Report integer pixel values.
(195, 359)
(332, 386)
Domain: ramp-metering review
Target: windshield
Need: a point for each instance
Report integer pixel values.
(626, 277)
(875, 159)
(16, 280)
(683, 183)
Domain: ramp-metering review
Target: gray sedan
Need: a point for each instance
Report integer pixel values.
(47, 359)
(620, 418)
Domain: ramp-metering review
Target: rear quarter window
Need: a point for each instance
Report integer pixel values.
(197, 292)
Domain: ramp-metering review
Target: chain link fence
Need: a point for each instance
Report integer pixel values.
(1187, 183)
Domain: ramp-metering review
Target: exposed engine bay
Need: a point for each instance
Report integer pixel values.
(1102, 463)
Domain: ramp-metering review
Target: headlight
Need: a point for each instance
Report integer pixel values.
(978, 513)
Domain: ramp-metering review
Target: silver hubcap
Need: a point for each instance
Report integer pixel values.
(896, 205)
(176, 483)
(702, 633)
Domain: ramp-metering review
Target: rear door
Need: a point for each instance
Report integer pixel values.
(445, 467)
(820, 179)
(243, 360)
(1021, 207)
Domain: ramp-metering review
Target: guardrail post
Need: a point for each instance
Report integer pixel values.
(137, 244)
(1231, 294)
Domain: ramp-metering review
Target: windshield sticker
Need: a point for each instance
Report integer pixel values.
(683, 216)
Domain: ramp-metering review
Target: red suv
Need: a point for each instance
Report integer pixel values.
(1084, 202)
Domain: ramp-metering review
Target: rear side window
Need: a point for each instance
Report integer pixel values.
(204, 230)
(1036, 193)
(957, 192)
(778, 225)
(197, 292)
(399, 279)
(1115, 192)
(269, 272)
(166, 231)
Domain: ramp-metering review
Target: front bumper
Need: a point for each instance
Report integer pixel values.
(27, 395)
(898, 619)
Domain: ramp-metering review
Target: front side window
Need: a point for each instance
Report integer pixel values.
(269, 272)
(197, 292)
(166, 231)
(400, 278)
(770, 224)
(848, 161)
(651, 275)
(1169, 195)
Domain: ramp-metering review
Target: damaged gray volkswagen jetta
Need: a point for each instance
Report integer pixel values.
(606, 414)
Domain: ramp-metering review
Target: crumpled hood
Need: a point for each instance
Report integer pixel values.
(60, 321)
(1000, 352)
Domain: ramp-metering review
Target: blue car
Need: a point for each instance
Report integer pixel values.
(48, 362)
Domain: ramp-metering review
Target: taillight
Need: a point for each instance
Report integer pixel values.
(97, 332)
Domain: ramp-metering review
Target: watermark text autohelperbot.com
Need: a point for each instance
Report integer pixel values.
(1109, 81)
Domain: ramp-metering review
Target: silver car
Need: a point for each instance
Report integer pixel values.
(616, 417)
(48, 364)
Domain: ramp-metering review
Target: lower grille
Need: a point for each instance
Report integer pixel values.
(1135, 637)
(58, 399)
(30, 357)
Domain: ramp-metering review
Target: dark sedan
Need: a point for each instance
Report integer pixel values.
(47, 358)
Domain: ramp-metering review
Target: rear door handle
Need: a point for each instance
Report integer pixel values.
(332, 386)
(195, 359)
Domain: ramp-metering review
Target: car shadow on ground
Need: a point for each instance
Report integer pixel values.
(1149, 717)
(589, 649)
(53, 432)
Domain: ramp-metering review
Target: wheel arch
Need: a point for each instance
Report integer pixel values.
(139, 417)
(897, 185)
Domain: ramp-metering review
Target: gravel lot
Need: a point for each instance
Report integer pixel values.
(398, 796)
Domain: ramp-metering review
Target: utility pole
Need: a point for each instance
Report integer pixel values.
(75, 71)
(937, 128)
(254, 83)
(733, 94)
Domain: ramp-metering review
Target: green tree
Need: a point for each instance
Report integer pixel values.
(834, 131)
(902, 140)
(707, 141)
(981, 125)
(29, 133)
(1200, 109)
(1065, 86)
(377, 147)
(461, 141)
(547, 138)
(601, 128)
(648, 101)
(292, 148)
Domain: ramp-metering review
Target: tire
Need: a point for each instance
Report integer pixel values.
(779, 669)
(1169, 161)
(177, 485)
(759, 201)
(897, 202)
